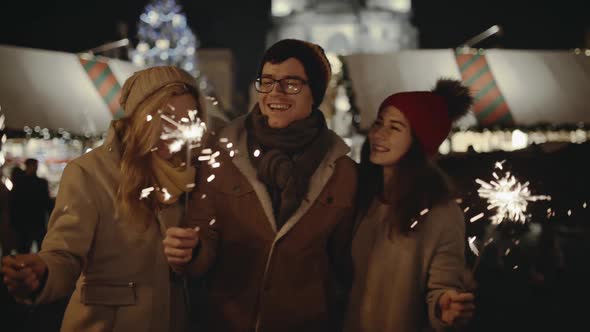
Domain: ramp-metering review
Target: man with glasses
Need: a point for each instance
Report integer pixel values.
(271, 227)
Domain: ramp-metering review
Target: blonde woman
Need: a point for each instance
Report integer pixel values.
(104, 243)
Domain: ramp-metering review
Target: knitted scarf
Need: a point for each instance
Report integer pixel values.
(287, 158)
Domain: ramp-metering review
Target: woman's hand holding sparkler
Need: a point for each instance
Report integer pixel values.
(456, 308)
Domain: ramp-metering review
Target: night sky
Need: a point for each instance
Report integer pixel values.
(240, 25)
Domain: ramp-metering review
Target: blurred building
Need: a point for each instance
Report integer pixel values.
(218, 65)
(346, 26)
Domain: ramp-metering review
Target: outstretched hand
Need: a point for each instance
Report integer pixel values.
(23, 274)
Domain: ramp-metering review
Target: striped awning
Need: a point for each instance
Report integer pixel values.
(60, 90)
(510, 86)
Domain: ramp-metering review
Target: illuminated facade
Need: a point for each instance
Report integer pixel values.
(346, 26)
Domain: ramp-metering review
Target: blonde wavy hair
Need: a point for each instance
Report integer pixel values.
(138, 137)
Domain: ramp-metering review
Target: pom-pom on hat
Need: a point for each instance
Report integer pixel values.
(431, 113)
(312, 57)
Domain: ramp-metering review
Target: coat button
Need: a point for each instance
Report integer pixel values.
(330, 200)
(236, 188)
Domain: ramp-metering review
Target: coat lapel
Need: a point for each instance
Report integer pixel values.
(317, 182)
(242, 162)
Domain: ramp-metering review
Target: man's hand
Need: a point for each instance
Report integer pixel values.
(179, 244)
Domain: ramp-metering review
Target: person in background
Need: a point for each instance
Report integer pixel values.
(408, 247)
(30, 205)
(7, 237)
(104, 241)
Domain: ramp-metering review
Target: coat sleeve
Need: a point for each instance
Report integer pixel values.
(201, 213)
(69, 235)
(339, 245)
(448, 261)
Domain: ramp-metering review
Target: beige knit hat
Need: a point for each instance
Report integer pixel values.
(144, 83)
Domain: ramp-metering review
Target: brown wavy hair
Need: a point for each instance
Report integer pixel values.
(419, 184)
(138, 137)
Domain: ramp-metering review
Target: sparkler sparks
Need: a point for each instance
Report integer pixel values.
(472, 245)
(8, 184)
(476, 218)
(188, 131)
(167, 195)
(509, 197)
(146, 192)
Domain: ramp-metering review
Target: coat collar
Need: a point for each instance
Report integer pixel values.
(235, 133)
(167, 217)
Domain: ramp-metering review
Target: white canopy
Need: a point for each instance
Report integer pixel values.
(52, 90)
(538, 86)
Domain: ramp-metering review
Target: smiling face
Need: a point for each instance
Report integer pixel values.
(390, 137)
(283, 109)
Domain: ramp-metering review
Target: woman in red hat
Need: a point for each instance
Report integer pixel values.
(408, 248)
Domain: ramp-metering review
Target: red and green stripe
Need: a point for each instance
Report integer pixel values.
(489, 107)
(105, 83)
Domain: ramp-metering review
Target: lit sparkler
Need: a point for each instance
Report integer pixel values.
(509, 197)
(186, 132)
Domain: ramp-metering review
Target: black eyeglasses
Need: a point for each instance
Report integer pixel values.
(290, 86)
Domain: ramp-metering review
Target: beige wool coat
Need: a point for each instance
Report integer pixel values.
(117, 272)
(398, 281)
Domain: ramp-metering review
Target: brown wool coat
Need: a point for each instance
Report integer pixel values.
(259, 278)
(118, 274)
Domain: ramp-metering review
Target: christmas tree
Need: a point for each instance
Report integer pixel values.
(165, 38)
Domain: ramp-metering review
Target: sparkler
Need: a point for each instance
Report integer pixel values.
(186, 132)
(509, 197)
